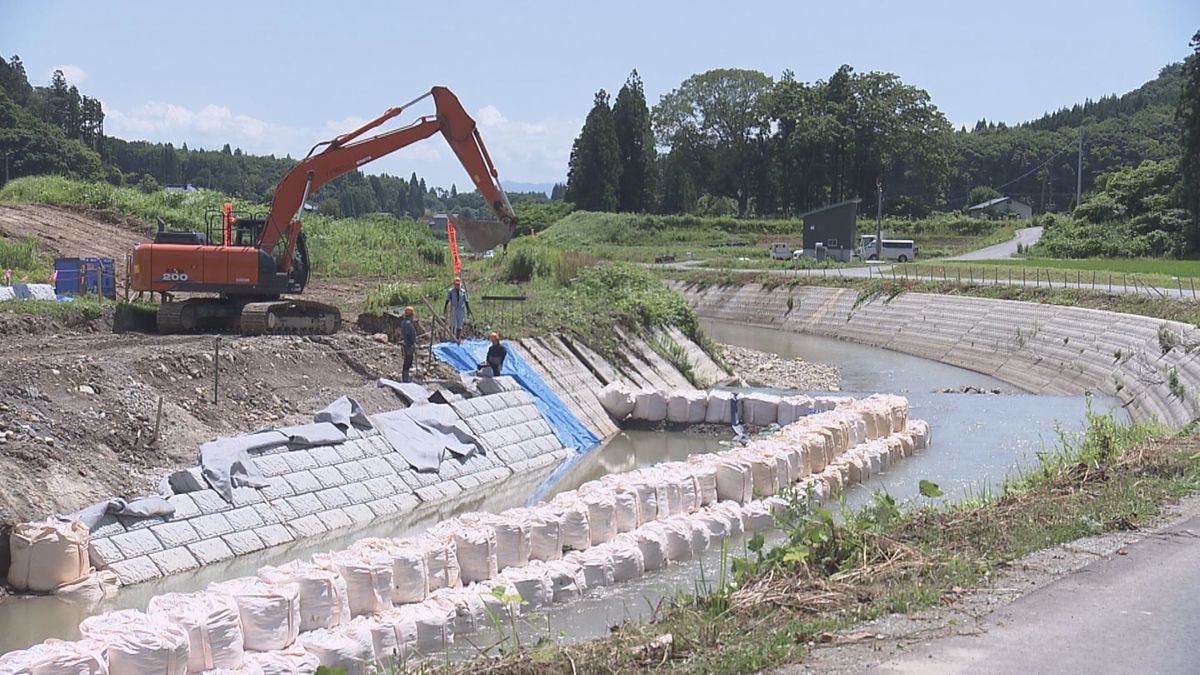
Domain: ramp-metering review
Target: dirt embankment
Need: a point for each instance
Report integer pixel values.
(71, 233)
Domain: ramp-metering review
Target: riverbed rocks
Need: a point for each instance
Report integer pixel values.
(763, 369)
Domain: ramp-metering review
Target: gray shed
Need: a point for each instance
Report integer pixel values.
(835, 226)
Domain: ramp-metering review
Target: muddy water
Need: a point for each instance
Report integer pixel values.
(978, 440)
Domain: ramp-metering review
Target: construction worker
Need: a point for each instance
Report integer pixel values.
(456, 302)
(495, 354)
(408, 341)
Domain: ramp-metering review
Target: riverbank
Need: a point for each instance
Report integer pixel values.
(778, 605)
(764, 369)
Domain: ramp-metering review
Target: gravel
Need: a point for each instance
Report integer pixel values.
(763, 369)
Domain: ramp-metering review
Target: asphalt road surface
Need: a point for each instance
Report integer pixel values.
(1025, 237)
(1131, 613)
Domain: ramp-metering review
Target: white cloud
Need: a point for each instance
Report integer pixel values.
(210, 126)
(74, 74)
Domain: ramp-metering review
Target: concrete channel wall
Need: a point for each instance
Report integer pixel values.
(1151, 365)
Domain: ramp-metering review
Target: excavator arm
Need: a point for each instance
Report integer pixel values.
(347, 153)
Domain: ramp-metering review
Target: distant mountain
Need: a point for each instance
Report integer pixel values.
(514, 186)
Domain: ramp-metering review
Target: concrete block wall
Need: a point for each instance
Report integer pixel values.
(1040, 348)
(324, 489)
(571, 380)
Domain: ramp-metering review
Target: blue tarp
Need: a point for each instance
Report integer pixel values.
(569, 430)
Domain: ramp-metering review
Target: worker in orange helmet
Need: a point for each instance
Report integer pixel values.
(459, 307)
(495, 354)
(408, 341)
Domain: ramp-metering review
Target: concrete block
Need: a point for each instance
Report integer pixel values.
(175, 534)
(325, 455)
(449, 489)
(283, 510)
(352, 450)
(334, 519)
(357, 493)
(376, 466)
(266, 513)
(245, 496)
(383, 507)
(209, 502)
(450, 468)
(210, 551)
(405, 503)
(174, 561)
(430, 493)
(242, 543)
(302, 482)
(274, 535)
(140, 523)
(300, 460)
(136, 543)
(381, 487)
(328, 476)
(135, 570)
(352, 472)
(304, 505)
(307, 526)
(102, 552)
(109, 525)
(409, 481)
(467, 482)
(333, 498)
(272, 465)
(277, 488)
(399, 464)
(245, 518)
(211, 526)
(359, 513)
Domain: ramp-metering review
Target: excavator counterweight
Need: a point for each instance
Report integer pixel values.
(250, 263)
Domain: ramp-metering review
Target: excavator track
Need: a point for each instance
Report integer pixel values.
(194, 315)
(290, 317)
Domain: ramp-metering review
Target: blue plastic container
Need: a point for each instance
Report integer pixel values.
(79, 276)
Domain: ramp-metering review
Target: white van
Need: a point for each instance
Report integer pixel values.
(780, 251)
(900, 250)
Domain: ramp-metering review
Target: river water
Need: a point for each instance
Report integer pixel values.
(978, 441)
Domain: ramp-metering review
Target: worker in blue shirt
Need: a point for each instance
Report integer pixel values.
(408, 341)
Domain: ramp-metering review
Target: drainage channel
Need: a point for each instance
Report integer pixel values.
(978, 440)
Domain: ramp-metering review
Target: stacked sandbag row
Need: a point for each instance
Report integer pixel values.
(384, 600)
(712, 407)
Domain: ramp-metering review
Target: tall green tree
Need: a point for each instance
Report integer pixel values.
(719, 112)
(1188, 114)
(594, 172)
(635, 138)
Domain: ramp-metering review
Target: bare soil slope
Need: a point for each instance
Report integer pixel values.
(67, 233)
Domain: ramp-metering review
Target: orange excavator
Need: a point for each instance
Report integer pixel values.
(250, 262)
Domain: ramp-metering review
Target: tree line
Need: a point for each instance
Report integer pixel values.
(736, 141)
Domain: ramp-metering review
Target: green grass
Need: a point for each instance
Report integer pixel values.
(82, 308)
(24, 258)
(1099, 273)
(1159, 266)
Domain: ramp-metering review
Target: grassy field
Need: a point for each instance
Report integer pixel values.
(1156, 266)
(1177, 276)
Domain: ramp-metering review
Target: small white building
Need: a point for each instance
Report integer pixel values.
(1001, 207)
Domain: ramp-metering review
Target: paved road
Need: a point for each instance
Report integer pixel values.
(1025, 237)
(1133, 613)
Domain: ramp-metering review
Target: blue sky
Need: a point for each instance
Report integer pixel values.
(275, 77)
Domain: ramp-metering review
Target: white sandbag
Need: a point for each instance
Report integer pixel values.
(346, 647)
(294, 660)
(574, 529)
(756, 515)
(628, 563)
(602, 517)
(213, 625)
(793, 408)
(90, 590)
(545, 533)
(705, 475)
(434, 621)
(678, 535)
(652, 542)
(270, 613)
(368, 575)
(715, 523)
(532, 583)
(650, 406)
(763, 472)
(48, 554)
(732, 511)
(717, 409)
(500, 597)
(567, 578)
(470, 613)
(645, 493)
(475, 546)
(513, 535)
(137, 643)
(920, 431)
(56, 657)
(760, 409)
(322, 592)
(617, 400)
(597, 565)
(687, 406)
(681, 475)
(625, 509)
(734, 482)
(441, 562)
(393, 637)
(410, 571)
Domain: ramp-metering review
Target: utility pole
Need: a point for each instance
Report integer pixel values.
(6, 154)
(1079, 170)
(878, 219)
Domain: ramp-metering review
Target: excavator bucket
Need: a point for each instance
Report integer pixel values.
(482, 235)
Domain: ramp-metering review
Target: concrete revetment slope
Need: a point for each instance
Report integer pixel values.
(1150, 364)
